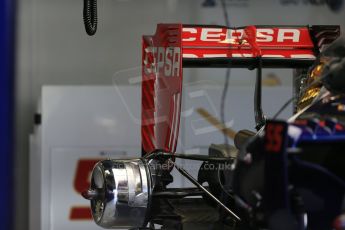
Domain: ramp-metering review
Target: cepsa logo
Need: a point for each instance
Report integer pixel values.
(234, 36)
(162, 60)
(82, 183)
(276, 42)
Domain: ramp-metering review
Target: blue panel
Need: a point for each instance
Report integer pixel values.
(6, 112)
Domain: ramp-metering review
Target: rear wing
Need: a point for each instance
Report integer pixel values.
(177, 46)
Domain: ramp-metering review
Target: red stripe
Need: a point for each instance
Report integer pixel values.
(80, 213)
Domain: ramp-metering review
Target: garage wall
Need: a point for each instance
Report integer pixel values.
(53, 49)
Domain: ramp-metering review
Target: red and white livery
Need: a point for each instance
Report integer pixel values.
(177, 46)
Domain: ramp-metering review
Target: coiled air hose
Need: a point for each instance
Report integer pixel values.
(90, 16)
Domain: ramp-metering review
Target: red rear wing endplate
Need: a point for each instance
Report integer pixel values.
(177, 46)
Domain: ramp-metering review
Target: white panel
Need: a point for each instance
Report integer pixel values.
(94, 116)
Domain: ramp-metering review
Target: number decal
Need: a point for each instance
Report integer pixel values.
(274, 137)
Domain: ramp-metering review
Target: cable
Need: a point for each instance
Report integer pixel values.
(223, 100)
(90, 16)
(283, 108)
(227, 75)
(260, 118)
(225, 13)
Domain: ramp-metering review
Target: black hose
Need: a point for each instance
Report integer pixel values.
(227, 75)
(90, 16)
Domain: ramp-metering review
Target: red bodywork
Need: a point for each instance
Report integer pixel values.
(175, 46)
